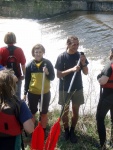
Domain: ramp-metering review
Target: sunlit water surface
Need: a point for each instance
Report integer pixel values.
(95, 32)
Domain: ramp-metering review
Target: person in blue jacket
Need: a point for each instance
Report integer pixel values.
(14, 114)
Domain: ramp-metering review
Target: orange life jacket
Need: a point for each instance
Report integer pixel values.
(109, 84)
(9, 125)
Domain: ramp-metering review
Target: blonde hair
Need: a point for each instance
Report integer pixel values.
(37, 46)
(10, 38)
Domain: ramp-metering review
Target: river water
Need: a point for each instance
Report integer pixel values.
(94, 30)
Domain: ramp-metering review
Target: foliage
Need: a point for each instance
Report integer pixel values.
(36, 0)
(86, 132)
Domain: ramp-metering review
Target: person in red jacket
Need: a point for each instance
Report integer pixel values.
(10, 40)
(105, 79)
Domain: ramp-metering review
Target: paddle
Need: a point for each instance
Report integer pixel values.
(55, 129)
(37, 141)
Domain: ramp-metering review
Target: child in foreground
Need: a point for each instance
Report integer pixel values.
(14, 114)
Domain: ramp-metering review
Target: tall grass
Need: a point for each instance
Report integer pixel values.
(86, 132)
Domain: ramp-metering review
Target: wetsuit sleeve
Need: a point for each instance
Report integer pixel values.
(107, 71)
(27, 78)
(25, 113)
(51, 75)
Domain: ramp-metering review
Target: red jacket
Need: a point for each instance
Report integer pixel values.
(9, 125)
(18, 53)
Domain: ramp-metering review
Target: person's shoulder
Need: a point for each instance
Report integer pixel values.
(46, 60)
(107, 66)
(25, 113)
(110, 64)
(31, 62)
(3, 48)
(17, 100)
(18, 51)
(18, 48)
(63, 54)
(22, 104)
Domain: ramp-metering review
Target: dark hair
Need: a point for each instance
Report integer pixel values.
(7, 91)
(10, 38)
(37, 46)
(70, 39)
(7, 85)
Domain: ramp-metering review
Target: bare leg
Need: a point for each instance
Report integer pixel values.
(75, 114)
(44, 120)
(65, 118)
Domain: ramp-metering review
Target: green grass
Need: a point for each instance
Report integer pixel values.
(86, 132)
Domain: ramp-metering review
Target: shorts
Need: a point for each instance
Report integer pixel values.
(77, 97)
(34, 99)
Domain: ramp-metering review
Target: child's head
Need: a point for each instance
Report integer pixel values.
(10, 38)
(37, 51)
(7, 84)
(72, 42)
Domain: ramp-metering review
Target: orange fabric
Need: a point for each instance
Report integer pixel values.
(53, 136)
(37, 141)
(9, 125)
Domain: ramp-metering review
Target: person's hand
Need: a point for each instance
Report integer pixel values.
(75, 68)
(45, 70)
(24, 98)
(83, 59)
(22, 77)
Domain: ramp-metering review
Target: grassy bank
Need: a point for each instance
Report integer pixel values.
(86, 132)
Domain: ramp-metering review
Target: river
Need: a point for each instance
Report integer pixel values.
(94, 30)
